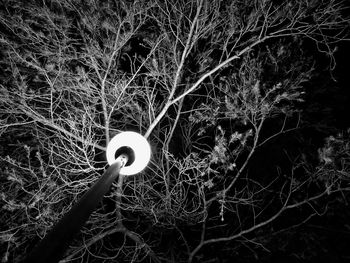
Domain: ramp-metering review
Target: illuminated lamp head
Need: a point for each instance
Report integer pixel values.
(132, 144)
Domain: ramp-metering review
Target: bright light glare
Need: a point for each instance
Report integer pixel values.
(137, 143)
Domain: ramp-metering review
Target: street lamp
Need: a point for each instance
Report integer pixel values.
(129, 141)
(127, 153)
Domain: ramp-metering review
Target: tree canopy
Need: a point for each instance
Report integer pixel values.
(225, 93)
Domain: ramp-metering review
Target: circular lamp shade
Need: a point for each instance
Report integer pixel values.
(137, 143)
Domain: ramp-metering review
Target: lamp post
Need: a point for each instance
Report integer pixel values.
(127, 153)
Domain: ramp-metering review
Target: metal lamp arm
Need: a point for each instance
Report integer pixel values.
(52, 247)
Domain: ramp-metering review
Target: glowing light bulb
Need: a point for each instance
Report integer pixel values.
(137, 143)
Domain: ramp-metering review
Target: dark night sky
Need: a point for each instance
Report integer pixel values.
(342, 74)
(325, 112)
